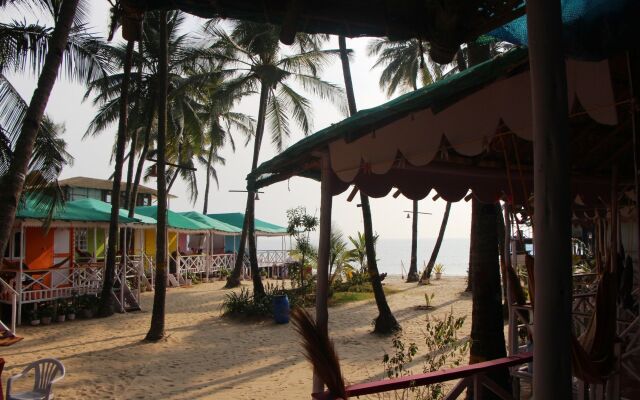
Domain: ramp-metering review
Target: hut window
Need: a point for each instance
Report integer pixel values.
(82, 242)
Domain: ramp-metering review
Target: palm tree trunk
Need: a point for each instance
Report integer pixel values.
(436, 249)
(248, 226)
(134, 137)
(156, 330)
(487, 329)
(385, 322)
(106, 298)
(13, 181)
(206, 187)
(143, 157)
(469, 287)
(412, 276)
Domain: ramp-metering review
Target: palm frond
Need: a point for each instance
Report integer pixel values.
(278, 120)
(320, 351)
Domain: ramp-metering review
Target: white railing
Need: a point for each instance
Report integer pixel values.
(51, 284)
(219, 262)
(6, 290)
(195, 263)
(272, 257)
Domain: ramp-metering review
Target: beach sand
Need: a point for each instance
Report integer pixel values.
(206, 356)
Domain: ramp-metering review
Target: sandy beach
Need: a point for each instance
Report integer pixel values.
(206, 356)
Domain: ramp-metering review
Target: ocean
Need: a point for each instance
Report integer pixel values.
(393, 253)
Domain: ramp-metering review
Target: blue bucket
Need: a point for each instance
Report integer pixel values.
(281, 309)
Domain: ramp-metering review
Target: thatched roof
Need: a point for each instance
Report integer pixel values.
(444, 24)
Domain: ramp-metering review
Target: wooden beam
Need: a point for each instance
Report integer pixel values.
(289, 22)
(353, 193)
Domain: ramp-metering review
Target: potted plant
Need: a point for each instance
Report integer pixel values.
(61, 311)
(71, 312)
(34, 317)
(438, 269)
(46, 314)
(224, 273)
(88, 305)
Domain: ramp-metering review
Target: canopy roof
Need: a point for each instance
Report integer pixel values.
(446, 25)
(86, 210)
(472, 130)
(213, 224)
(263, 228)
(174, 220)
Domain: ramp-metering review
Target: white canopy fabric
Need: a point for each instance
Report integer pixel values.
(470, 123)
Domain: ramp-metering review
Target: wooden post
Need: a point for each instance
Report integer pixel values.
(123, 272)
(552, 218)
(95, 244)
(23, 249)
(322, 285)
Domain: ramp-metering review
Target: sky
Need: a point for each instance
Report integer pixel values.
(93, 156)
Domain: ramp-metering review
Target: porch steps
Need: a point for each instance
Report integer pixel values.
(173, 282)
(130, 301)
(7, 336)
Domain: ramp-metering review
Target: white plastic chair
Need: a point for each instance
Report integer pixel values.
(47, 372)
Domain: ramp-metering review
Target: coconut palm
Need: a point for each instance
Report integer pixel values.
(49, 153)
(385, 322)
(52, 50)
(487, 326)
(253, 52)
(339, 255)
(406, 66)
(156, 329)
(436, 248)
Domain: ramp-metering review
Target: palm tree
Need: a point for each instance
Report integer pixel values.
(254, 52)
(49, 155)
(487, 330)
(46, 58)
(405, 64)
(338, 253)
(359, 250)
(156, 330)
(436, 249)
(385, 322)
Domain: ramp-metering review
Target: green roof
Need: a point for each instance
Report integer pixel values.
(87, 210)
(263, 228)
(212, 223)
(297, 159)
(101, 206)
(174, 220)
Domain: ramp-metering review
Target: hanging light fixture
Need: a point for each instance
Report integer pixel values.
(408, 216)
(257, 197)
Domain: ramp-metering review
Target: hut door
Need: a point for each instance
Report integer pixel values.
(61, 252)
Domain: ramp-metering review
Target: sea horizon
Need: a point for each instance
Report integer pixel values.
(394, 254)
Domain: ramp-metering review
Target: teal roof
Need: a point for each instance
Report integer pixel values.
(101, 206)
(174, 220)
(87, 210)
(298, 159)
(263, 228)
(213, 224)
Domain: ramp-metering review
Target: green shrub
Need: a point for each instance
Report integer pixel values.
(245, 304)
(443, 349)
